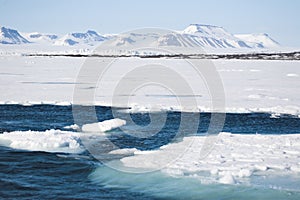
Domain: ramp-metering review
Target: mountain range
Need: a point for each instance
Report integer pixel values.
(195, 35)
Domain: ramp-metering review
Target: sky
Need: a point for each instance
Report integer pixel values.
(278, 18)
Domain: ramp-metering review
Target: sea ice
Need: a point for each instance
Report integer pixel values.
(235, 157)
(47, 80)
(104, 126)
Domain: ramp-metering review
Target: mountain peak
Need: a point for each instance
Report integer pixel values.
(92, 32)
(90, 38)
(262, 39)
(11, 36)
(200, 27)
(207, 30)
(89, 35)
(204, 25)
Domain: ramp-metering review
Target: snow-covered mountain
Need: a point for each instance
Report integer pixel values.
(195, 35)
(40, 37)
(11, 36)
(89, 38)
(261, 39)
(214, 36)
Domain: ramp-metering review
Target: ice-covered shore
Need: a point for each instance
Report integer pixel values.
(249, 86)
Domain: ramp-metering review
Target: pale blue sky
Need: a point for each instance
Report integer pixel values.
(278, 18)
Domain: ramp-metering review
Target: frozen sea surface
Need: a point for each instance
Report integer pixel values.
(249, 86)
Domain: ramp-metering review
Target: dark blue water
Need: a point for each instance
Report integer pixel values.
(41, 175)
